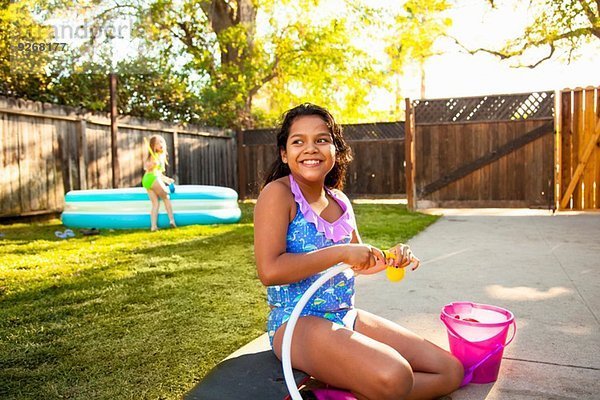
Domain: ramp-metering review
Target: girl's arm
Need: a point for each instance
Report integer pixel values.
(380, 264)
(275, 266)
(404, 256)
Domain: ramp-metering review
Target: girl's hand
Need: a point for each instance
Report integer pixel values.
(403, 257)
(362, 256)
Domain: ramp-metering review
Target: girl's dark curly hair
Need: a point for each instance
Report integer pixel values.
(343, 154)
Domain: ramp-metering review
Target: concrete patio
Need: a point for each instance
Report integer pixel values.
(544, 268)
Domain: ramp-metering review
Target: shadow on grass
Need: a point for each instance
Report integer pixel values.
(202, 249)
(178, 311)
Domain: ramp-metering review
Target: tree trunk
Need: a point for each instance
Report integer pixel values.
(222, 15)
(422, 69)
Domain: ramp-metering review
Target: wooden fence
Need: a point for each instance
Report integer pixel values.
(488, 151)
(377, 169)
(47, 150)
(577, 172)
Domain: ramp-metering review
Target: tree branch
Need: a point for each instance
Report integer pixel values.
(550, 54)
(267, 78)
(507, 54)
(592, 16)
(188, 40)
(499, 54)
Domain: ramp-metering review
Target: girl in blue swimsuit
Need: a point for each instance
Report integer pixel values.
(303, 226)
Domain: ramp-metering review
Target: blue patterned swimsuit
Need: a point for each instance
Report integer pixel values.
(307, 232)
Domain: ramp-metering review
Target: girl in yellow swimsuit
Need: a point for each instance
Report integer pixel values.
(154, 180)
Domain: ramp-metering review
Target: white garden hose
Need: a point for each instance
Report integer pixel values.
(286, 361)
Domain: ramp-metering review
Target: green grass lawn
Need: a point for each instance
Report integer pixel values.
(135, 314)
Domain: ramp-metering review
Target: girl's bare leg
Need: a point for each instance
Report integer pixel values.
(436, 372)
(349, 360)
(154, 211)
(161, 192)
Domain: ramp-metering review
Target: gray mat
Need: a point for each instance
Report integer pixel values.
(248, 376)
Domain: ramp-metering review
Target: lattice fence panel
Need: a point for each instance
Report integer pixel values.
(485, 108)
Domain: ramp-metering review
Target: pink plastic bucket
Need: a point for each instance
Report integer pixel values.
(475, 332)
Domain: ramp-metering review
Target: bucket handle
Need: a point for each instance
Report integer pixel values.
(468, 376)
(451, 329)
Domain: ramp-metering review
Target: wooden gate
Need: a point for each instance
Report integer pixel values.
(488, 151)
(577, 155)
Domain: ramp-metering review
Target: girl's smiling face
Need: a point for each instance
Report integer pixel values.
(309, 150)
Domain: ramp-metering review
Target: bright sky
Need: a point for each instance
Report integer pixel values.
(458, 73)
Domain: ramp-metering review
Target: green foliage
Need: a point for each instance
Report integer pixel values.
(557, 28)
(420, 24)
(22, 70)
(323, 63)
(233, 64)
(136, 314)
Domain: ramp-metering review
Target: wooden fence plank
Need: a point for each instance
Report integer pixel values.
(597, 153)
(556, 165)
(241, 164)
(589, 122)
(11, 156)
(469, 132)
(51, 166)
(508, 164)
(427, 150)
(25, 161)
(483, 191)
(567, 143)
(495, 175)
(515, 162)
(3, 167)
(410, 155)
(577, 143)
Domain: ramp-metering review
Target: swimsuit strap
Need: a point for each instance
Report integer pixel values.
(335, 231)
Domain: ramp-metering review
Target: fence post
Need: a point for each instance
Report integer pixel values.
(409, 156)
(116, 173)
(81, 149)
(241, 167)
(175, 156)
(558, 115)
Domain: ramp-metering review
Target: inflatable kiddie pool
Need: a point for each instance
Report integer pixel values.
(129, 208)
